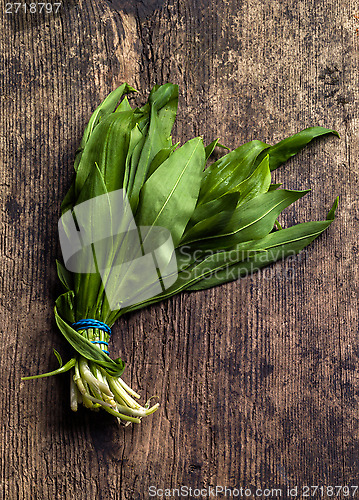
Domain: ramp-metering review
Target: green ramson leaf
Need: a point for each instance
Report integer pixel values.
(65, 305)
(225, 174)
(211, 218)
(215, 222)
(63, 369)
(257, 183)
(226, 203)
(88, 286)
(169, 196)
(101, 112)
(210, 148)
(331, 213)
(252, 220)
(160, 157)
(123, 106)
(70, 198)
(137, 139)
(277, 245)
(272, 187)
(65, 276)
(212, 226)
(105, 109)
(174, 187)
(107, 148)
(281, 152)
(58, 357)
(163, 107)
(165, 100)
(205, 266)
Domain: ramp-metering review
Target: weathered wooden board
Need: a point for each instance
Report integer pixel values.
(258, 380)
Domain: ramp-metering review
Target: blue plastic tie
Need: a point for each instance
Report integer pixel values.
(85, 324)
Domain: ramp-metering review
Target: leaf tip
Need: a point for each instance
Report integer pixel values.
(131, 89)
(331, 213)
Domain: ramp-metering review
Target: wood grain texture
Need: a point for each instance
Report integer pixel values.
(259, 379)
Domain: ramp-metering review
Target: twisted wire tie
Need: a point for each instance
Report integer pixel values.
(85, 324)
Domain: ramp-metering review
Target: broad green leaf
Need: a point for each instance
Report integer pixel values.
(89, 286)
(65, 276)
(107, 147)
(278, 245)
(331, 213)
(208, 227)
(205, 266)
(65, 305)
(132, 163)
(142, 116)
(281, 152)
(272, 187)
(137, 138)
(160, 157)
(227, 203)
(110, 139)
(123, 106)
(255, 184)
(69, 199)
(252, 220)
(215, 222)
(225, 174)
(165, 100)
(163, 107)
(103, 110)
(169, 196)
(210, 148)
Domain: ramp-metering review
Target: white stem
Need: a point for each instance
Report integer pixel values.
(94, 383)
(128, 388)
(73, 395)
